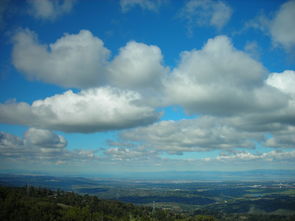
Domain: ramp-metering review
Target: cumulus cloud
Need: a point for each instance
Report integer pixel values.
(9, 140)
(137, 66)
(201, 134)
(151, 5)
(267, 156)
(35, 143)
(76, 60)
(284, 81)
(44, 138)
(40, 146)
(205, 13)
(81, 61)
(130, 154)
(283, 138)
(91, 110)
(49, 9)
(280, 27)
(220, 80)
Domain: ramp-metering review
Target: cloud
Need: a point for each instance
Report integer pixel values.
(267, 156)
(9, 140)
(137, 66)
(192, 135)
(50, 9)
(205, 13)
(283, 138)
(91, 110)
(81, 61)
(130, 154)
(40, 146)
(252, 48)
(36, 143)
(284, 81)
(220, 80)
(280, 27)
(151, 5)
(44, 138)
(76, 60)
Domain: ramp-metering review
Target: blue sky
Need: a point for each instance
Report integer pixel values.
(91, 87)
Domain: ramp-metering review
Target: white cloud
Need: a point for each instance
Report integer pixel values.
(202, 134)
(252, 48)
(130, 154)
(44, 138)
(91, 110)
(239, 156)
(49, 9)
(81, 61)
(35, 144)
(151, 5)
(282, 26)
(283, 138)
(246, 156)
(284, 81)
(9, 140)
(206, 13)
(220, 80)
(137, 66)
(76, 60)
(40, 146)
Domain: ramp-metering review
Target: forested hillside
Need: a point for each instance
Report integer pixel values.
(35, 203)
(31, 203)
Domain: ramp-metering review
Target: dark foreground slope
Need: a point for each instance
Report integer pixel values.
(31, 203)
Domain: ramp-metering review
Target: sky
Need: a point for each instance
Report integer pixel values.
(120, 86)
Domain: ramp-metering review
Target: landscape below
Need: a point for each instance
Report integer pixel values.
(36, 197)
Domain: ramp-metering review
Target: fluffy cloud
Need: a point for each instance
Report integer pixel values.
(44, 138)
(81, 61)
(202, 134)
(40, 146)
(35, 144)
(246, 156)
(152, 5)
(137, 66)
(283, 138)
(205, 13)
(9, 140)
(282, 26)
(90, 110)
(49, 9)
(284, 81)
(130, 154)
(221, 80)
(76, 60)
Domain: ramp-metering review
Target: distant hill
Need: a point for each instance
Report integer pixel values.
(249, 175)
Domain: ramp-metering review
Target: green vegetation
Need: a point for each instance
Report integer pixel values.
(69, 198)
(30, 203)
